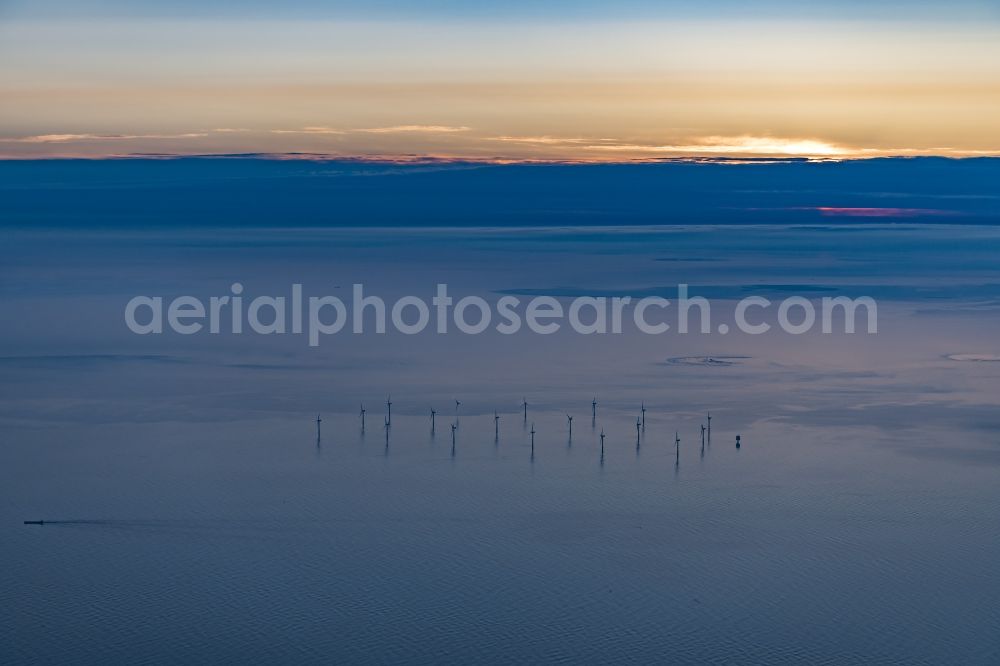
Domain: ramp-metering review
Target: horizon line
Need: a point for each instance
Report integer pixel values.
(417, 159)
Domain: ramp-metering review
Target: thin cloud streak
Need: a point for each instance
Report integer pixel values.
(309, 130)
(543, 140)
(70, 138)
(430, 129)
(740, 145)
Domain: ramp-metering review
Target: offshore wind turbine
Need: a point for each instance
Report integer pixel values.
(570, 419)
(388, 405)
(318, 422)
(677, 448)
(602, 446)
(532, 440)
(524, 401)
(737, 441)
(433, 414)
(593, 412)
(458, 404)
(638, 424)
(710, 428)
(642, 408)
(362, 417)
(496, 425)
(454, 427)
(702, 439)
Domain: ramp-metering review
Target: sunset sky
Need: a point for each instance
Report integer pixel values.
(570, 81)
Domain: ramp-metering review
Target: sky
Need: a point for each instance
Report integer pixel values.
(587, 81)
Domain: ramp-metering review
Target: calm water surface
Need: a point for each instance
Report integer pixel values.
(198, 519)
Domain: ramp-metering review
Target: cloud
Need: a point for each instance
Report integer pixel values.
(430, 129)
(544, 140)
(309, 130)
(737, 145)
(70, 138)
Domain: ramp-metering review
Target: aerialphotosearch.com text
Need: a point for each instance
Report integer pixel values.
(325, 315)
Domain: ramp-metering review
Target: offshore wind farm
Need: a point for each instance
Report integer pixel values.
(346, 436)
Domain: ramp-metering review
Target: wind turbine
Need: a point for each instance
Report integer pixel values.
(388, 404)
(532, 440)
(570, 419)
(593, 411)
(642, 408)
(318, 422)
(737, 441)
(702, 439)
(677, 448)
(433, 414)
(362, 417)
(710, 427)
(524, 401)
(602, 446)
(637, 426)
(496, 425)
